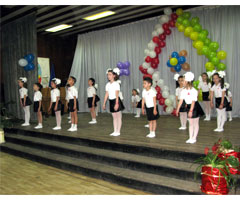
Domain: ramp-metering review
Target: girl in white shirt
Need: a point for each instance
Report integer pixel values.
(55, 104)
(67, 103)
(205, 86)
(116, 105)
(25, 102)
(194, 110)
(183, 110)
(92, 99)
(229, 99)
(37, 105)
(136, 102)
(218, 90)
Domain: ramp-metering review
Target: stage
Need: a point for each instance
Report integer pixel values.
(161, 165)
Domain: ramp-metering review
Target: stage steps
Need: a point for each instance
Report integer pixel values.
(149, 171)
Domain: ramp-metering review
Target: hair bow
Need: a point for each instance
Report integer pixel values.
(116, 71)
(222, 74)
(176, 76)
(226, 85)
(189, 76)
(23, 79)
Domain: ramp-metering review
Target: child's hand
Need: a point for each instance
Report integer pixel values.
(230, 104)
(190, 114)
(39, 109)
(93, 105)
(211, 104)
(49, 109)
(74, 108)
(177, 113)
(221, 106)
(55, 108)
(116, 107)
(143, 111)
(155, 111)
(104, 107)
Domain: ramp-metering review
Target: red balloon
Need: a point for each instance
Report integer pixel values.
(148, 59)
(147, 75)
(155, 39)
(162, 36)
(158, 89)
(141, 68)
(144, 71)
(157, 50)
(171, 23)
(162, 44)
(159, 96)
(162, 101)
(164, 108)
(174, 112)
(154, 65)
(165, 26)
(174, 16)
(168, 32)
(155, 60)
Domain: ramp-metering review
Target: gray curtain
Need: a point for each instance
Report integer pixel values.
(18, 39)
(97, 51)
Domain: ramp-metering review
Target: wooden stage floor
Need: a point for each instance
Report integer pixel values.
(133, 132)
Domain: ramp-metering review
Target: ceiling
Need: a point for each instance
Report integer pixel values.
(50, 16)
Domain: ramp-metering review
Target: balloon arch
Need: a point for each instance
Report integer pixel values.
(204, 46)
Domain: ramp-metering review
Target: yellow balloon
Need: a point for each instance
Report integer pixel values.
(194, 44)
(194, 35)
(199, 45)
(188, 31)
(173, 61)
(179, 11)
(199, 52)
(221, 55)
(181, 28)
(177, 24)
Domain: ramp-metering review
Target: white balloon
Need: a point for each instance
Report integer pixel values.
(160, 30)
(165, 88)
(169, 109)
(164, 19)
(172, 97)
(156, 76)
(167, 11)
(23, 62)
(160, 82)
(165, 94)
(168, 102)
(146, 52)
(154, 83)
(152, 54)
(151, 45)
(158, 26)
(146, 65)
(154, 33)
(150, 70)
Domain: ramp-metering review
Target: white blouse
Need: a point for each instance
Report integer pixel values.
(178, 92)
(37, 96)
(72, 92)
(136, 99)
(204, 86)
(148, 96)
(189, 95)
(91, 91)
(217, 90)
(54, 94)
(111, 88)
(23, 91)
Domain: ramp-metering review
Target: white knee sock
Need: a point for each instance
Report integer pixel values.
(191, 127)
(183, 119)
(58, 118)
(138, 111)
(27, 114)
(119, 121)
(229, 114)
(195, 128)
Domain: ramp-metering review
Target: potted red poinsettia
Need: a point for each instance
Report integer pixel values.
(215, 171)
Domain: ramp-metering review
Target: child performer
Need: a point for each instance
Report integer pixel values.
(116, 105)
(149, 98)
(67, 103)
(229, 99)
(92, 99)
(55, 104)
(37, 105)
(136, 102)
(183, 110)
(73, 103)
(25, 102)
(194, 110)
(218, 90)
(205, 86)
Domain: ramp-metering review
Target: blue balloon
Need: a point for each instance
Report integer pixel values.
(29, 67)
(168, 64)
(126, 72)
(29, 57)
(178, 68)
(120, 65)
(181, 60)
(127, 64)
(121, 72)
(175, 54)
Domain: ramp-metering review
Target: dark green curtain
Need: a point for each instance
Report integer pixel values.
(18, 38)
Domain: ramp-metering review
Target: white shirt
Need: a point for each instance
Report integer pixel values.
(136, 99)
(217, 90)
(37, 96)
(111, 88)
(178, 92)
(72, 92)
(204, 86)
(189, 95)
(23, 91)
(148, 95)
(54, 94)
(91, 91)
(229, 96)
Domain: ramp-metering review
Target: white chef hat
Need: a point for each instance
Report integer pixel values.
(23, 79)
(116, 71)
(226, 85)
(176, 76)
(189, 76)
(222, 74)
(57, 81)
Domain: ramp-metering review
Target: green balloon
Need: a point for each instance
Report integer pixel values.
(194, 21)
(206, 50)
(214, 46)
(180, 20)
(186, 15)
(195, 84)
(215, 61)
(207, 42)
(197, 27)
(204, 31)
(221, 67)
(212, 54)
(199, 52)
(186, 23)
(209, 66)
(202, 37)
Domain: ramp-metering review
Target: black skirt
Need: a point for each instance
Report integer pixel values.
(59, 107)
(112, 103)
(183, 107)
(197, 110)
(205, 96)
(228, 107)
(89, 100)
(218, 102)
(71, 105)
(139, 104)
(36, 106)
(150, 115)
(97, 99)
(28, 101)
